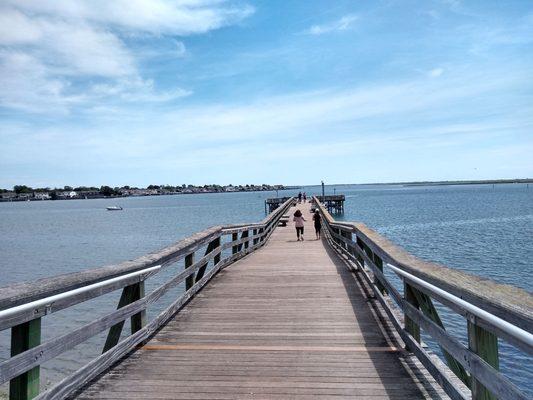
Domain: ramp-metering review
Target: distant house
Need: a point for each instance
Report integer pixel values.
(8, 196)
(42, 196)
(89, 194)
(67, 194)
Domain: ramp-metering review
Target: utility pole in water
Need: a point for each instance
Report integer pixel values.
(323, 194)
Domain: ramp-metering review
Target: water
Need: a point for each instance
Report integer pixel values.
(480, 229)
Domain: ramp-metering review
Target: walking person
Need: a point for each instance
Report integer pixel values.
(318, 224)
(299, 223)
(300, 197)
(305, 197)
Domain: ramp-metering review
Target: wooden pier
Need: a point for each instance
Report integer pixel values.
(263, 316)
(332, 203)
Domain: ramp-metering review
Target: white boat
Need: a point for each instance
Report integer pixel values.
(114, 208)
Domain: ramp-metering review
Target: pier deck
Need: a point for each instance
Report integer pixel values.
(288, 321)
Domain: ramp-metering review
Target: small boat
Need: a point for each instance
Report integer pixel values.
(114, 208)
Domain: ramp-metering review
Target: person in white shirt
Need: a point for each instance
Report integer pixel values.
(299, 223)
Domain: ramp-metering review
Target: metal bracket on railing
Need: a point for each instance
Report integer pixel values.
(48, 308)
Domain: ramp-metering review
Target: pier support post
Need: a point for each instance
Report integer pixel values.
(129, 294)
(428, 308)
(350, 249)
(138, 321)
(360, 244)
(411, 326)
(247, 242)
(189, 281)
(378, 263)
(234, 237)
(485, 345)
(210, 247)
(254, 232)
(24, 337)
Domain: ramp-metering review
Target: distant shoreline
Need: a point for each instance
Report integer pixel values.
(81, 196)
(440, 183)
(473, 182)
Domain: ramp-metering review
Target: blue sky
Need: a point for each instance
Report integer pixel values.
(213, 91)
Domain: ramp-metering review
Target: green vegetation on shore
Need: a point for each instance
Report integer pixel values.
(23, 192)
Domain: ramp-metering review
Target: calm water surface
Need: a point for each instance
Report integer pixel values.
(482, 229)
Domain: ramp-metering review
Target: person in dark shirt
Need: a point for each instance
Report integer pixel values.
(318, 224)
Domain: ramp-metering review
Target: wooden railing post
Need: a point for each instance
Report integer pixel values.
(350, 249)
(378, 262)
(138, 321)
(411, 326)
(234, 237)
(24, 337)
(485, 345)
(189, 281)
(254, 232)
(247, 242)
(216, 244)
(428, 308)
(210, 247)
(129, 294)
(361, 245)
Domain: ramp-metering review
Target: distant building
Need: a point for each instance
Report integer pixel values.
(8, 196)
(42, 196)
(89, 194)
(67, 194)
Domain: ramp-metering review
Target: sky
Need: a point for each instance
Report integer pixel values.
(139, 92)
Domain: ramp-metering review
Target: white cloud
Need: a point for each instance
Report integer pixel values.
(136, 90)
(51, 51)
(435, 72)
(16, 28)
(342, 24)
(180, 49)
(150, 16)
(382, 120)
(26, 84)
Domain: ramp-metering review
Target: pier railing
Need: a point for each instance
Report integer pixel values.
(492, 311)
(22, 306)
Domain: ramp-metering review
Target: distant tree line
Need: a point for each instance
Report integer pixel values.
(117, 191)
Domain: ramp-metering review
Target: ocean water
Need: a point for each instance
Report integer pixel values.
(482, 229)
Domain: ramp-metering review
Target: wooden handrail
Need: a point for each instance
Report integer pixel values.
(20, 293)
(477, 364)
(25, 292)
(22, 369)
(508, 302)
